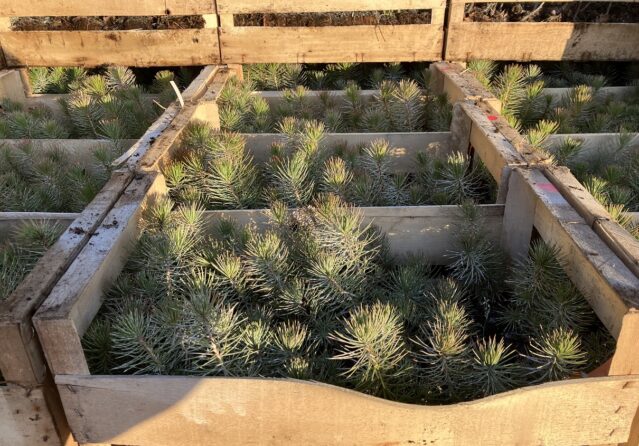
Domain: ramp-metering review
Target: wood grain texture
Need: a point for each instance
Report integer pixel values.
(96, 48)
(24, 418)
(72, 304)
(543, 41)
(460, 85)
(21, 359)
(617, 238)
(332, 44)
(36, 8)
(608, 285)
(287, 6)
(188, 410)
(430, 231)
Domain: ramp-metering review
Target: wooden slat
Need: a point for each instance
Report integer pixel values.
(608, 285)
(331, 44)
(287, 6)
(543, 41)
(96, 48)
(20, 357)
(617, 238)
(24, 418)
(38, 8)
(430, 231)
(73, 303)
(460, 85)
(162, 411)
(405, 146)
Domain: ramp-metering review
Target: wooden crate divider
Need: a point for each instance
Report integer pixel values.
(462, 86)
(233, 411)
(526, 41)
(22, 364)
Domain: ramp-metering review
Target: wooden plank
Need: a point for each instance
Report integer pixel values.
(519, 216)
(405, 145)
(11, 221)
(202, 106)
(21, 360)
(622, 243)
(193, 410)
(11, 86)
(75, 300)
(460, 85)
(288, 6)
(608, 285)
(430, 231)
(194, 91)
(24, 417)
(543, 41)
(626, 358)
(494, 149)
(331, 44)
(96, 48)
(81, 150)
(38, 8)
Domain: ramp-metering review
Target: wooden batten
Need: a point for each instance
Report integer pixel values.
(284, 6)
(460, 85)
(237, 411)
(37, 8)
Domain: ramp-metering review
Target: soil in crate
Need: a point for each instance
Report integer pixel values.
(593, 12)
(79, 23)
(353, 18)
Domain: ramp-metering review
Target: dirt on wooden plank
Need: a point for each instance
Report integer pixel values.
(79, 23)
(579, 12)
(354, 18)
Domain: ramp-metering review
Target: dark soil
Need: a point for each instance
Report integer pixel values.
(403, 17)
(105, 23)
(598, 12)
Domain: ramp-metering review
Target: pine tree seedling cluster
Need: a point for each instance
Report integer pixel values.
(218, 171)
(19, 255)
(50, 180)
(316, 294)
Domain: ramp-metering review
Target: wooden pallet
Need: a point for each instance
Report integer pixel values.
(537, 41)
(461, 85)
(130, 410)
(94, 48)
(21, 361)
(366, 43)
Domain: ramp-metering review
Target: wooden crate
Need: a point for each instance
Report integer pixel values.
(94, 48)
(538, 41)
(365, 43)
(461, 85)
(22, 364)
(195, 410)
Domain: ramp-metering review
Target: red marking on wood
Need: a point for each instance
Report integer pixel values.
(492, 118)
(548, 187)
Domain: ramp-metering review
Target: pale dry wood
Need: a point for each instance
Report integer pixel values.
(12, 221)
(626, 358)
(405, 146)
(194, 91)
(202, 106)
(76, 298)
(20, 355)
(81, 150)
(37, 8)
(288, 6)
(494, 149)
(460, 129)
(162, 411)
(331, 44)
(430, 231)
(460, 85)
(519, 216)
(608, 285)
(11, 86)
(617, 238)
(543, 41)
(96, 48)
(24, 417)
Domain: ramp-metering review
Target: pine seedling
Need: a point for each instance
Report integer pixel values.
(98, 347)
(372, 350)
(494, 368)
(555, 356)
(336, 178)
(483, 70)
(273, 76)
(380, 187)
(289, 350)
(267, 264)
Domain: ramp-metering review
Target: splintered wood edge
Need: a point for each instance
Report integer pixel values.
(237, 411)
